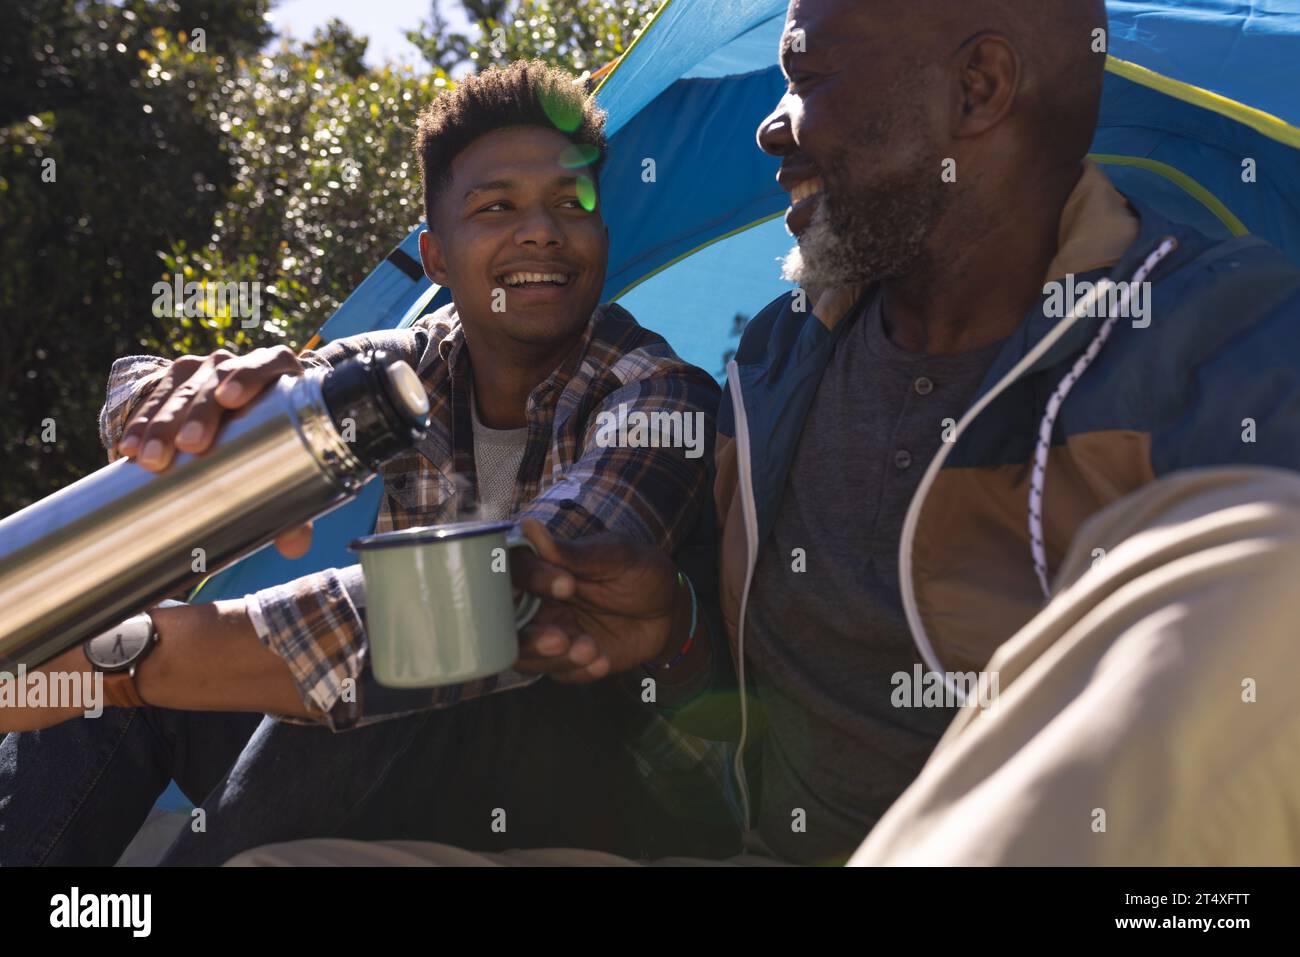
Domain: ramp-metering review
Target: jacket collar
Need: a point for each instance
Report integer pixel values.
(1150, 229)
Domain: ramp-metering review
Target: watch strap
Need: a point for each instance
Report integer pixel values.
(120, 690)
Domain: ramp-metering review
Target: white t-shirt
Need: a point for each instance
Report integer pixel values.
(497, 455)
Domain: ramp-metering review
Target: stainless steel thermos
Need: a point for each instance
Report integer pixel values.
(124, 538)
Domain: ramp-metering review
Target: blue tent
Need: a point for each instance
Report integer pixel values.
(1196, 93)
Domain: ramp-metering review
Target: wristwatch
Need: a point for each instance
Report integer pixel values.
(117, 653)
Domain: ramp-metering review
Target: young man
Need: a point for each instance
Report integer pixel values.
(1099, 537)
(519, 369)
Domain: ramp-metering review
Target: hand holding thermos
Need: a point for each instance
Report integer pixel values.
(190, 402)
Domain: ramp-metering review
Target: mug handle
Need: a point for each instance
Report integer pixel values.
(528, 602)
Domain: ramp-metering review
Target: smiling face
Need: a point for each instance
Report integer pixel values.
(861, 133)
(513, 239)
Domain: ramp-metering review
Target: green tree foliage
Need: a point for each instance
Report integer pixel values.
(325, 182)
(142, 139)
(579, 35)
(104, 162)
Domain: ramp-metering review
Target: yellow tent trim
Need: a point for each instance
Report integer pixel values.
(1182, 180)
(1269, 125)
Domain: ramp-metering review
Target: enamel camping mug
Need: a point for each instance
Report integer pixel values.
(439, 605)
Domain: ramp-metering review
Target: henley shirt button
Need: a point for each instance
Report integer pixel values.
(923, 386)
(903, 458)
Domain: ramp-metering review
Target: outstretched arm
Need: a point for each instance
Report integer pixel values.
(208, 658)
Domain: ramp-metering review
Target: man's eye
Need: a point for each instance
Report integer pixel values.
(499, 206)
(572, 203)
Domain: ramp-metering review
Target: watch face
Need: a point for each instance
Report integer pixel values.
(122, 645)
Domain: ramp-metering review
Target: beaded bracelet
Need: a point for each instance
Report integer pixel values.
(690, 634)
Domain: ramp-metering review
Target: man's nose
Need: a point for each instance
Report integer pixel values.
(539, 228)
(776, 133)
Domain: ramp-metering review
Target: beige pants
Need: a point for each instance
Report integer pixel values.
(1148, 715)
(1145, 716)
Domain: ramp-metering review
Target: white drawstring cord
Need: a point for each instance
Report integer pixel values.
(1038, 476)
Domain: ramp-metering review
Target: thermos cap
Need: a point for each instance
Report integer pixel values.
(407, 389)
(378, 403)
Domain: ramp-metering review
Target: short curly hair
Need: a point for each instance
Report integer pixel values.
(525, 93)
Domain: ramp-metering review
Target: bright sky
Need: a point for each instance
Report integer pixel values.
(383, 21)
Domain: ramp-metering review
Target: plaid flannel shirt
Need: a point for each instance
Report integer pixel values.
(566, 479)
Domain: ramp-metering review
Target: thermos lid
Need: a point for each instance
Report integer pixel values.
(407, 389)
(378, 404)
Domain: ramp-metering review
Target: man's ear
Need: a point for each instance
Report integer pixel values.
(431, 254)
(990, 75)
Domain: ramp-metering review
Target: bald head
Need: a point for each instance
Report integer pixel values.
(1059, 93)
(1055, 44)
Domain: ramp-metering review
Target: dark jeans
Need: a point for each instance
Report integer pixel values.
(541, 766)
(76, 793)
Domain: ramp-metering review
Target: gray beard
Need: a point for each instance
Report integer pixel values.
(821, 258)
(869, 240)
